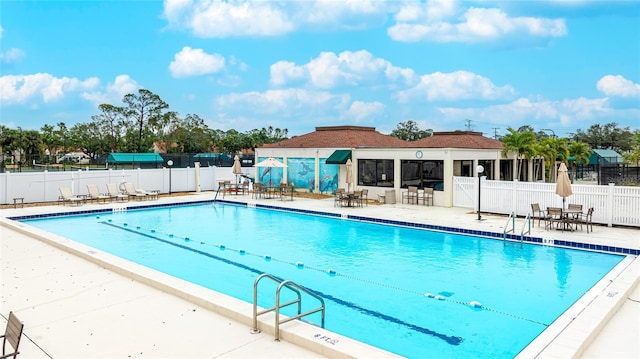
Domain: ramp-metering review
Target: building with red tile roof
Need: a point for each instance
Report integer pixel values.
(316, 161)
(341, 137)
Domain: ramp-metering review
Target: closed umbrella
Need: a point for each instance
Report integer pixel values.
(349, 174)
(563, 184)
(236, 169)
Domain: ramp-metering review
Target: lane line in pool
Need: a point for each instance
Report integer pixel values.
(452, 340)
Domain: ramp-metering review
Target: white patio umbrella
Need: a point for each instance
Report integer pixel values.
(270, 163)
(349, 179)
(563, 184)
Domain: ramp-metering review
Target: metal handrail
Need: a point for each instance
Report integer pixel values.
(527, 220)
(512, 219)
(291, 286)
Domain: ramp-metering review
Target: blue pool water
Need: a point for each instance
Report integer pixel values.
(404, 290)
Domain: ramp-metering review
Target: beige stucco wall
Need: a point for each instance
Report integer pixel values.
(447, 155)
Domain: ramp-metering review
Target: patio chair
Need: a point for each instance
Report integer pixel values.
(554, 216)
(411, 195)
(357, 198)
(365, 196)
(12, 335)
(138, 194)
(66, 196)
(94, 194)
(286, 192)
(337, 198)
(537, 212)
(427, 196)
(112, 191)
(587, 219)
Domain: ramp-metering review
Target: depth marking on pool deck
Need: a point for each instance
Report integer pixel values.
(452, 340)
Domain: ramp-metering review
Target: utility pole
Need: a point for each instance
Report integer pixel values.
(495, 132)
(468, 125)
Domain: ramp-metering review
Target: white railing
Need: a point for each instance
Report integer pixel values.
(614, 205)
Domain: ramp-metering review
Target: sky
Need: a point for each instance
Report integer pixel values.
(558, 65)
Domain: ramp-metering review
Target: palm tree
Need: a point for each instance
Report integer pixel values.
(580, 152)
(520, 143)
(555, 149)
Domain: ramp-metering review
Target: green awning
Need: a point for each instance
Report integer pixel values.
(339, 157)
(123, 158)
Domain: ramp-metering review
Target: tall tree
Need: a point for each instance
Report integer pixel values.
(520, 143)
(111, 121)
(580, 152)
(145, 109)
(607, 137)
(410, 131)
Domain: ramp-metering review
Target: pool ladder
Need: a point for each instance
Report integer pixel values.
(512, 220)
(294, 287)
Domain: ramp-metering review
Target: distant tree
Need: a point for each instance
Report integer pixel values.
(520, 143)
(410, 131)
(90, 139)
(112, 122)
(633, 156)
(608, 137)
(190, 135)
(580, 152)
(61, 135)
(145, 110)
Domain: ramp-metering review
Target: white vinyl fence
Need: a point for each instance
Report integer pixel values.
(613, 205)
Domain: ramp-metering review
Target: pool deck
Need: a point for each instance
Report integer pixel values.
(80, 303)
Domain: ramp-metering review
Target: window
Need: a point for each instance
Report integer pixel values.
(423, 174)
(375, 173)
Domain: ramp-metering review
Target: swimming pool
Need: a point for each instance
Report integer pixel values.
(375, 291)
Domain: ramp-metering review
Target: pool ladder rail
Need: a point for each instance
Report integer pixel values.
(512, 220)
(294, 287)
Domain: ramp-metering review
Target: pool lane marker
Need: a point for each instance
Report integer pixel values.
(452, 340)
(331, 272)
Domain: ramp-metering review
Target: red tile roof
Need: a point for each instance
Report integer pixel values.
(341, 137)
(458, 139)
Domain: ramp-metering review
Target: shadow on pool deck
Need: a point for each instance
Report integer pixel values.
(74, 308)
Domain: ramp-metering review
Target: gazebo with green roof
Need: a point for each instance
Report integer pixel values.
(135, 160)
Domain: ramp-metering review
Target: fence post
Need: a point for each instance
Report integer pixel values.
(610, 204)
(514, 197)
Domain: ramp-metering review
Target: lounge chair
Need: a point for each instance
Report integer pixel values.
(12, 335)
(113, 192)
(138, 194)
(94, 194)
(66, 196)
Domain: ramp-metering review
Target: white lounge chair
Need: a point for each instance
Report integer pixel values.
(66, 196)
(138, 193)
(113, 192)
(94, 194)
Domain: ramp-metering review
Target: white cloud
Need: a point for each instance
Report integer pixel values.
(360, 110)
(454, 86)
(282, 102)
(346, 69)
(12, 56)
(195, 62)
(217, 19)
(114, 92)
(618, 86)
(233, 18)
(23, 88)
(443, 24)
(567, 113)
